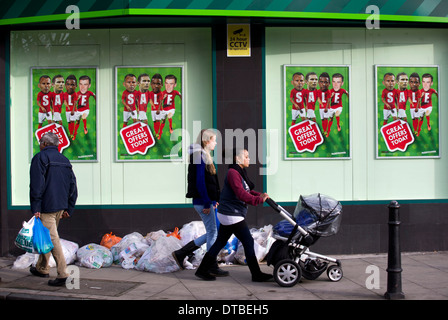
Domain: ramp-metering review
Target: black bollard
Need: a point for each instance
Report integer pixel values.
(394, 270)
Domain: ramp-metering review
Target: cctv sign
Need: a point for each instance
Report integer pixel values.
(238, 40)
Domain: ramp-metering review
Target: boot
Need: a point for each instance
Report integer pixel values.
(257, 275)
(203, 270)
(262, 277)
(180, 255)
(218, 272)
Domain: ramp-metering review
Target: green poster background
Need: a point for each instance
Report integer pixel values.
(84, 147)
(164, 149)
(337, 145)
(425, 145)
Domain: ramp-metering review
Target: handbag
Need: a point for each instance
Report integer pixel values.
(41, 238)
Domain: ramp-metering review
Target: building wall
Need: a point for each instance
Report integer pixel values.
(104, 208)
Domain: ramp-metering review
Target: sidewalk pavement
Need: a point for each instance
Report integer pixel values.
(424, 277)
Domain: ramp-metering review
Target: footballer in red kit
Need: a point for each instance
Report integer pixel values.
(324, 96)
(414, 99)
(311, 95)
(44, 100)
(169, 107)
(70, 98)
(426, 101)
(58, 98)
(297, 97)
(389, 98)
(83, 102)
(155, 99)
(129, 99)
(334, 107)
(402, 95)
(144, 82)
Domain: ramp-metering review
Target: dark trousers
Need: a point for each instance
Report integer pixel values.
(242, 232)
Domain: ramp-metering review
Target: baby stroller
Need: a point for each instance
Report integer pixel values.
(315, 216)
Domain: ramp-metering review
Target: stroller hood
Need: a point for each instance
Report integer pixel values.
(319, 214)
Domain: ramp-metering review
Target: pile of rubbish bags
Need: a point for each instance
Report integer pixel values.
(153, 252)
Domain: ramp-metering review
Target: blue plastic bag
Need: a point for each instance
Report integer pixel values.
(41, 238)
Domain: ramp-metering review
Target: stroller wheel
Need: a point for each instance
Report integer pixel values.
(334, 273)
(287, 273)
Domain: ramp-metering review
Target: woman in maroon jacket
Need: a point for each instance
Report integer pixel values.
(236, 194)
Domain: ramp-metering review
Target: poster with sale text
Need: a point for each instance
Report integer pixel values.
(407, 111)
(149, 113)
(64, 100)
(317, 112)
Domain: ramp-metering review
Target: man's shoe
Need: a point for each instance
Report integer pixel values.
(36, 273)
(58, 282)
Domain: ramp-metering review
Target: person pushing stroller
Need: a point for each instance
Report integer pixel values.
(236, 194)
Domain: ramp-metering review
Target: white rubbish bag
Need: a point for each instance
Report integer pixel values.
(94, 256)
(158, 257)
(191, 231)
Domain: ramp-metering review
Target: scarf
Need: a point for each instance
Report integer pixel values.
(243, 173)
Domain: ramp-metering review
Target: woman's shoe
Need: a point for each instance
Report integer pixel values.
(218, 272)
(262, 277)
(203, 270)
(180, 255)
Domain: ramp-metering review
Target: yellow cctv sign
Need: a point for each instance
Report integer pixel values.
(238, 40)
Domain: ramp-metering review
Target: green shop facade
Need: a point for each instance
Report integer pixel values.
(233, 65)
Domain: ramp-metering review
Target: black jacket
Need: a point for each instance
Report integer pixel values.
(211, 183)
(52, 182)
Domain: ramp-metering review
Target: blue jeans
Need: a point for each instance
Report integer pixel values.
(210, 227)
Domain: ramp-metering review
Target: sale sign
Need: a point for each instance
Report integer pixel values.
(137, 138)
(306, 136)
(397, 135)
(64, 142)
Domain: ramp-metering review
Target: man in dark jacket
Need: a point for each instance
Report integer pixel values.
(53, 194)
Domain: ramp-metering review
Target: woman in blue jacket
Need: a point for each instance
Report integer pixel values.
(203, 187)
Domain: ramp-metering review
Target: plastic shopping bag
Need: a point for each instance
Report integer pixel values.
(109, 240)
(24, 239)
(41, 238)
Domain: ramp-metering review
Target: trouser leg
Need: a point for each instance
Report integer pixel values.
(51, 222)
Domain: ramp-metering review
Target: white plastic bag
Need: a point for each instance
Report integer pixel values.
(130, 255)
(94, 256)
(158, 258)
(26, 260)
(262, 243)
(24, 239)
(127, 240)
(191, 231)
(154, 236)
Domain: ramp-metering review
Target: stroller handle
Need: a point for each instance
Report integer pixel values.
(285, 214)
(273, 204)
